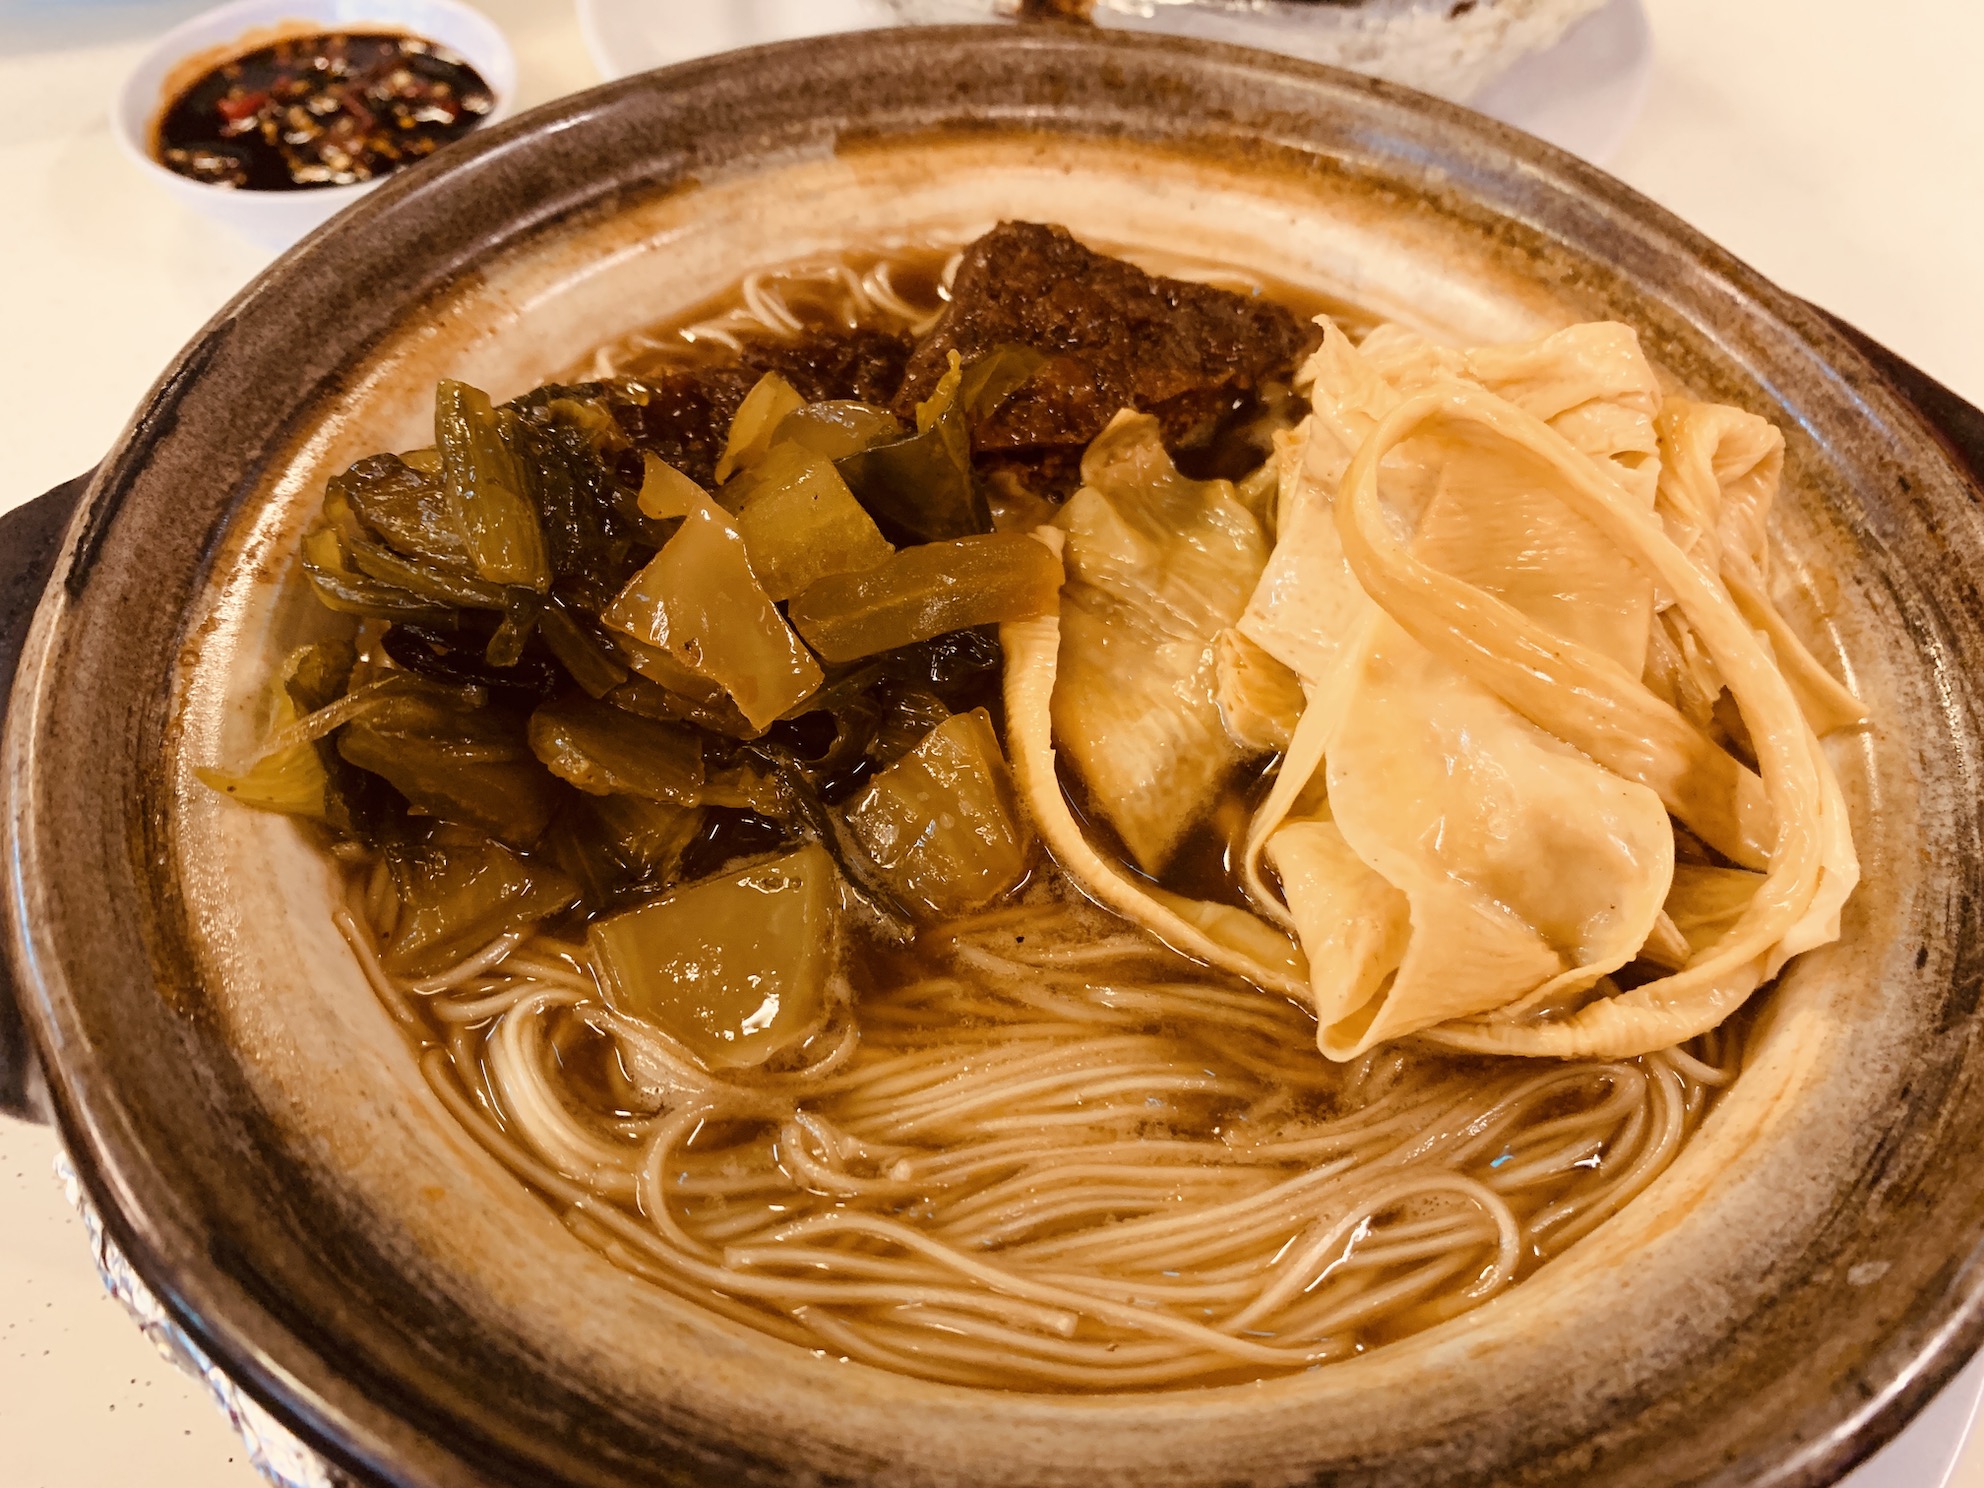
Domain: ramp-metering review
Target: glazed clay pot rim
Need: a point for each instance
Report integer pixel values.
(250, 1336)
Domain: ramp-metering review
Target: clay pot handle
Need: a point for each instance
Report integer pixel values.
(30, 541)
(1957, 425)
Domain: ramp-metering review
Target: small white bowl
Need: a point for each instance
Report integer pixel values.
(276, 219)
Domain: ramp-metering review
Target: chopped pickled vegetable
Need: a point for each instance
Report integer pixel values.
(406, 506)
(943, 397)
(995, 377)
(446, 580)
(317, 678)
(803, 812)
(646, 834)
(343, 588)
(911, 713)
(461, 658)
(667, 689)
(831, 742)
(590, 419)
(317, 675)
(728, 837)
(764, 408)
(800, 523)
(358, 806)
(565, 448)
(458, 891)
(921, 487)
(958, 666)
(665, 491)
(604, 751)
(487, 495)
(735, 967)
(579, 651)
(362, 702)
(838, 428)
(943, 824)
(521, 609)
(745, 784)
(700, 603)
(289, 779)
(926, 591)
(421, 577)
(616, 846)
(299, 773)
(462, 764)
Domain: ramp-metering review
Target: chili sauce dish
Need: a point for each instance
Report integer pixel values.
(272, 117)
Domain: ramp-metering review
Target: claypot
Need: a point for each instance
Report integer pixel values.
(256, 1131)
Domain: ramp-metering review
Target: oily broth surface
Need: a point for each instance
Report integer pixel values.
(1211, 1112)
(1034, 1149)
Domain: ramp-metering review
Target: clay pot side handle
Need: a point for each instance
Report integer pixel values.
(30, 542)
(1957, 425)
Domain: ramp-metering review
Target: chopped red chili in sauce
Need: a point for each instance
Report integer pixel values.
(323, 110)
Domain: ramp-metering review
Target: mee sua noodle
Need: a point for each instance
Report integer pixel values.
(1002, 817)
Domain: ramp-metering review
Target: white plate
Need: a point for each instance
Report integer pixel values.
(629, 36)
(1584, 93)
(1926, 1455)
(1581, 94)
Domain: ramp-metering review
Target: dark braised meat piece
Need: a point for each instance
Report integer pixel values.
(1114, 336)
(688, 411)
(1051, 471)
(866, 365)
(686, 417)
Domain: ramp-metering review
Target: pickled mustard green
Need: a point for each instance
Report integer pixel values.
(665, 491)
(458, 763)
(405, 505)
(943, 824)
(764, 408)
(920, 487)
(700, 604)
(487, 496)
(458, 890)
(837, 428)
(801, 524)
(735, 967)
(928, 591)
(607, 751)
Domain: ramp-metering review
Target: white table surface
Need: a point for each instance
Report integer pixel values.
(1836, 145)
